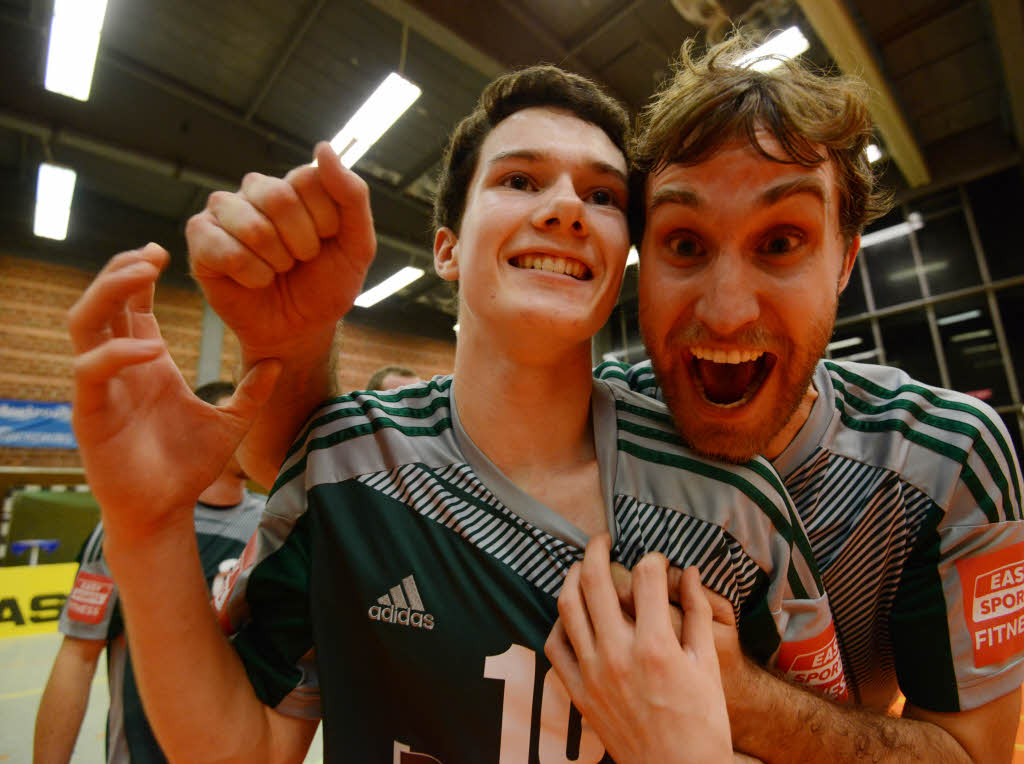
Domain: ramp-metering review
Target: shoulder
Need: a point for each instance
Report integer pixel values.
(638, 377)
(931, 436)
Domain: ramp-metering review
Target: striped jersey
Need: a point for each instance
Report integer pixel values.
(92, 612)
(402, 588)
(911, 497)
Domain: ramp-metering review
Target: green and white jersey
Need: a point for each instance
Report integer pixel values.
(92, 612)
(911, 496)
(401, 587)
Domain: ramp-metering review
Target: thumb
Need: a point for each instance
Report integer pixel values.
(252, 392)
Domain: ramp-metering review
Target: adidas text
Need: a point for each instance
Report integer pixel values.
(403, 616)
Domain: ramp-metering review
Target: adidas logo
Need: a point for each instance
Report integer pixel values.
(402, 605)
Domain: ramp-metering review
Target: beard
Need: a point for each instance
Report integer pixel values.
(736, 441)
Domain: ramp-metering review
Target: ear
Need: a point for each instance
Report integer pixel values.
(849, 258)
(446, 255)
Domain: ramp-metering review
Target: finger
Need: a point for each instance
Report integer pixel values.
(558, 650)
(650, 593)
(280, 204)
(241, 220)
(622, 580)
(572, 611)
(94, 368)
(352, 196)
(253, 391)
(321, 207)
(722, 609)
(215, 254)
(697, 619)
(91, 319)
(598, 590)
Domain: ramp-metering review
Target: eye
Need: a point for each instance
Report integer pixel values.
(686, 244)
(780, 242)
(518, 182)
(602, 196)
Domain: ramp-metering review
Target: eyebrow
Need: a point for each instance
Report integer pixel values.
(687, 197)
(595, 165)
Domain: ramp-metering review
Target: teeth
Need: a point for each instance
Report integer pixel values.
(726, 356)
(552, 264)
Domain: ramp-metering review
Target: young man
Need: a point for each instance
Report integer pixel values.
(403, 582)
(225, 516)
(757, 188)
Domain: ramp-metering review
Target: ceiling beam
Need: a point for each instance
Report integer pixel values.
(836, 28)
(1008, 20)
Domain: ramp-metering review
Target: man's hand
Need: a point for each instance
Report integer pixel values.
(149, 446)
(648, 697)
(282, 259)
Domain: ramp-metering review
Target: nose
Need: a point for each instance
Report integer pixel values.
(729, 295)
(561, 209)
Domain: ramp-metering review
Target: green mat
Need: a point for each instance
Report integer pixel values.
(41, 515)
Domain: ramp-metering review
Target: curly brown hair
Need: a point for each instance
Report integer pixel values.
(710, 100)
(541, 85)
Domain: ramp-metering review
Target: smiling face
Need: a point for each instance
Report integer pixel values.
(742, 264)
(543, 238)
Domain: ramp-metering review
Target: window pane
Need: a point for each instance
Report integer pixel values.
(852, 301)
(996, 202)
(947, 253)
(973, 359)
(908, 345)
(1011, 422)
(891, 266)
(853, 342)
(1011, 308)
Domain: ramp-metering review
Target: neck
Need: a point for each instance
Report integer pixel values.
(785, 436)
(525, 414)
(226, 491)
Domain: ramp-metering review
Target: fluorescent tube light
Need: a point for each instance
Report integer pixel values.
(388, 102)
(956, 318)
(914, 222)
(988, 347)
(633, 257)
(787, 44)
(847, 343)
(861, 356)
(388, 286)
(968, 336)
(874, 153)
(909, 273)
(54, 189)
(74, 39)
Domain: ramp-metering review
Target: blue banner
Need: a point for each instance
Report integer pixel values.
(35, 424)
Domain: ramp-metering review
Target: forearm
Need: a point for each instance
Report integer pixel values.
(197, 696)
(778, 722)
(304, 383)
(64, 701)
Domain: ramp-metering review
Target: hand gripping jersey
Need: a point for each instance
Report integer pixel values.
(403, 588)
(92, 612)
(911, 497)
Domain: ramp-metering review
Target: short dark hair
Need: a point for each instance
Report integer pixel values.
(212, 392)
(541, 85)
(377, 380)
(710, 100)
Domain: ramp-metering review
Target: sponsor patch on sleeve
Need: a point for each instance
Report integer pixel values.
(225, 583)
(815, 663)
(90, 596)
(993, 590)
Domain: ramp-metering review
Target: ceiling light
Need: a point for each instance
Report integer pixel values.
(787, 44)
(54, 189)
(847, 343)
(633, 257)
(455, 328)
(388, 102)
(874, 153)
(861, 356)
(956, 318)
(388, 286)
(74, 39)
(967, 336)
(988, 347)
(914, 222)
(907, 273)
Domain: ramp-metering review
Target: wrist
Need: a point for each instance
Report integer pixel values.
(313, 346)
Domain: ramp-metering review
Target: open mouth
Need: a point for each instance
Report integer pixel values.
(553, 264)
(730, 378)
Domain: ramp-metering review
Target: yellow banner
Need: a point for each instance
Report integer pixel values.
(31, 597)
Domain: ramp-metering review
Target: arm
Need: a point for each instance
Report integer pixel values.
(280, 261)
(149, 448)
(65, 698)
(636, 684)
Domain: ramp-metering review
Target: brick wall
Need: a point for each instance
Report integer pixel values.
(35, 350)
